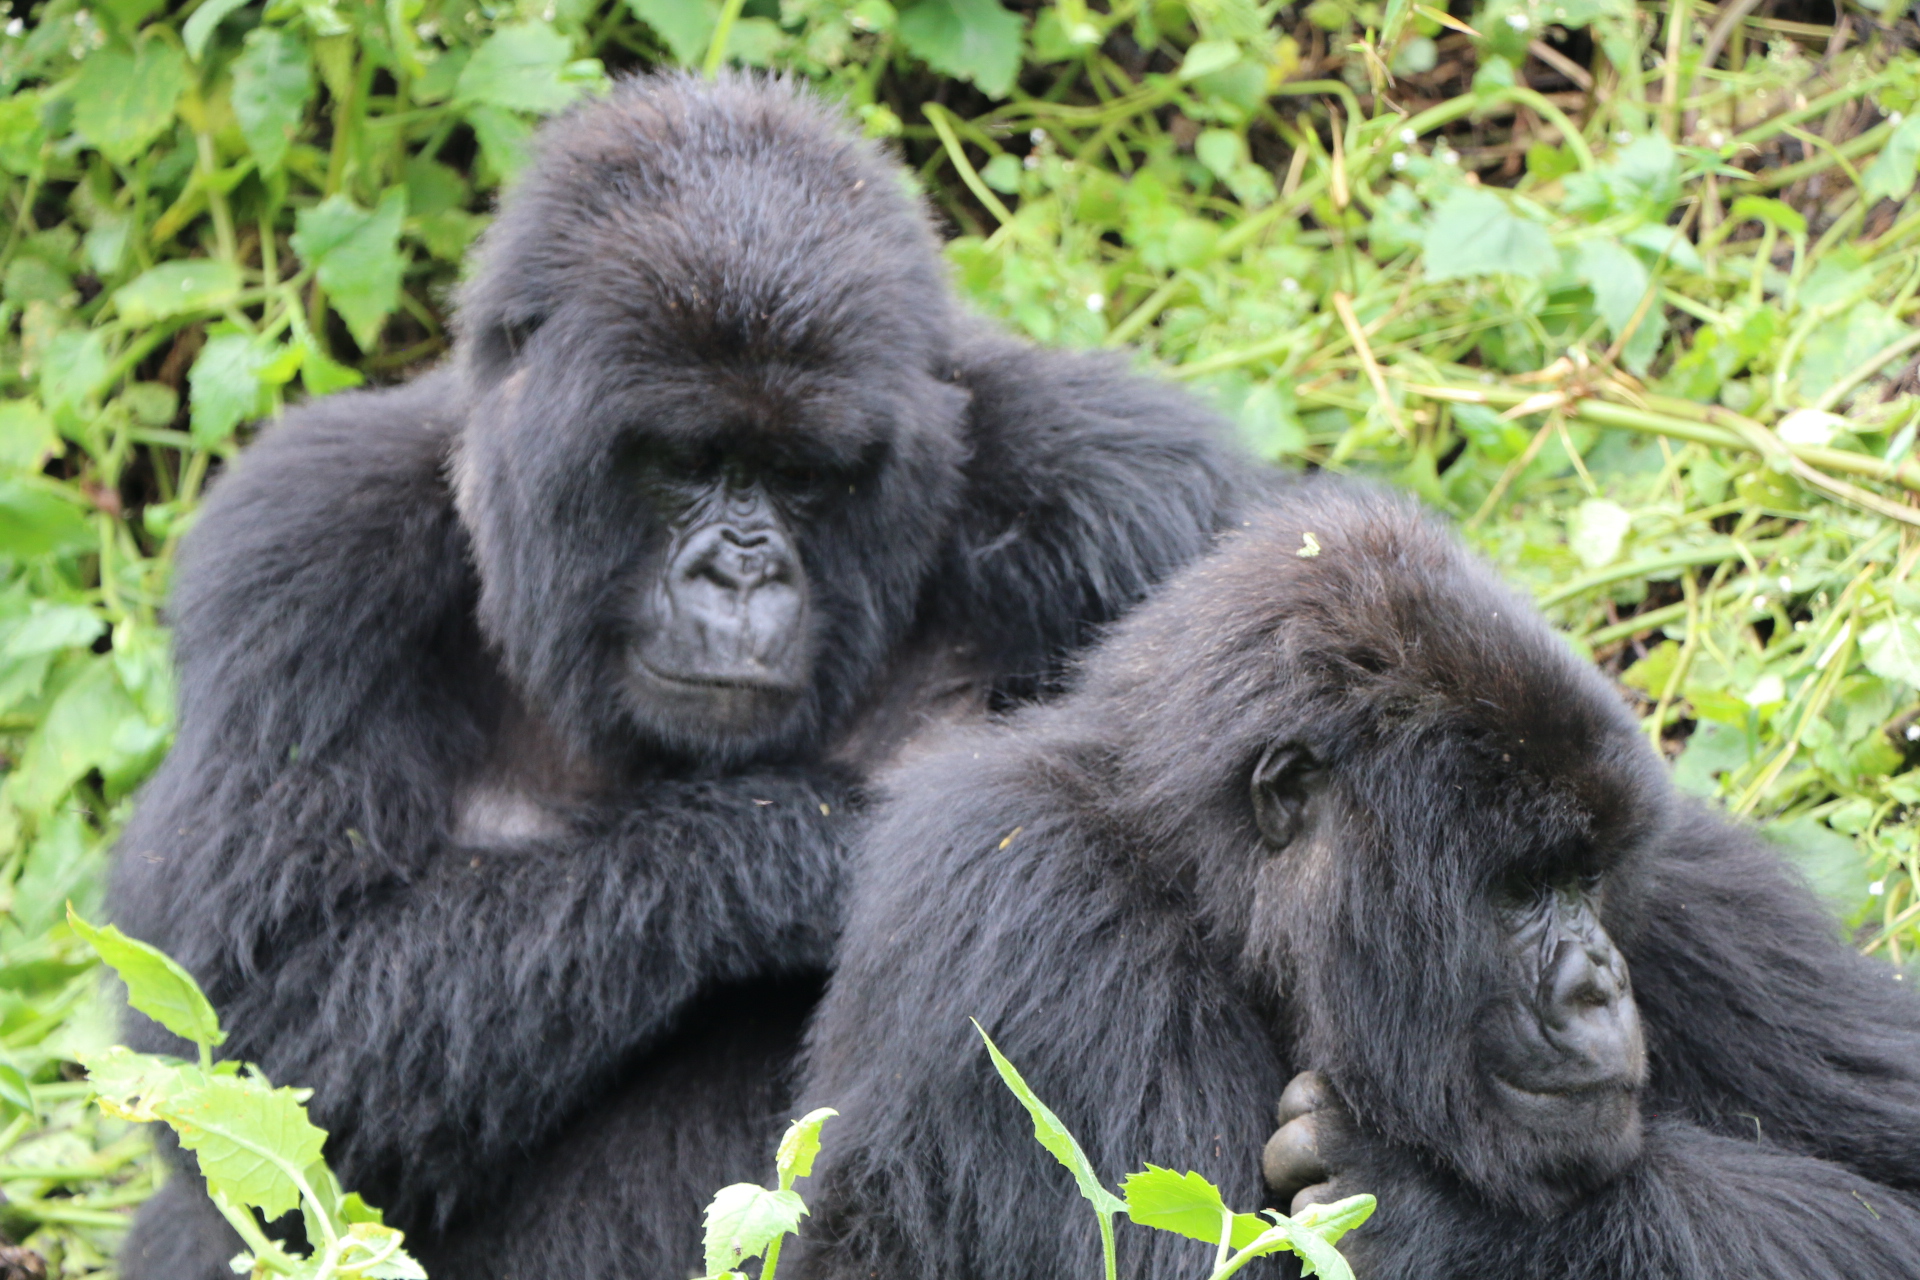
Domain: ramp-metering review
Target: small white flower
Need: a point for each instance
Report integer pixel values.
(1877, 888)
(15, 27)
(1096, 301)
(1895, 117)
(1399, 160)
(1289, 285)
(1032, 161)
(1449, 156)
(1409, 137)
(1622, 137)
(1519, 21)
(1716, 139)
(1038, 137)
(1913, 732)
(1759, 604)
(1786, 583)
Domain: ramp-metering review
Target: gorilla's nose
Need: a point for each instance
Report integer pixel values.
(741, 560)
(1587, 1011)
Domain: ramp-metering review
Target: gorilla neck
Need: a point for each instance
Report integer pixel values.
(528, 781)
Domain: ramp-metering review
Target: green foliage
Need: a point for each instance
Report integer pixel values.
(1187, 1204)
(255, 1146)
(1653, 349)
(745, 1222)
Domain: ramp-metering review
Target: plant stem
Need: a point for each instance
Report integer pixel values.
(717, 47)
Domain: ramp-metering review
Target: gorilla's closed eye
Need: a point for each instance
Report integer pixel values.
(1283, 780)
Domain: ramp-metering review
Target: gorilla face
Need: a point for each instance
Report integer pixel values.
(712, 445)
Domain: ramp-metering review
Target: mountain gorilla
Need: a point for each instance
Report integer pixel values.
(1358, 814)
(524, 708)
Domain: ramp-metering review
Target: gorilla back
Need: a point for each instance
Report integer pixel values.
(1338, 803)
(523, 707)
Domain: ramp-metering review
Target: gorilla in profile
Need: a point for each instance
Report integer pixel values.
(1336, 803)
(524, 707)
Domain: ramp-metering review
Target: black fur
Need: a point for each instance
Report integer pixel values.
(1089, 882)
(541, 950)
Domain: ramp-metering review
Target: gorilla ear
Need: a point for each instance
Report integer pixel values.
(1283, 779)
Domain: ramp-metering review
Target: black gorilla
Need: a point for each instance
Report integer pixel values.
(1358, 813)
(523, 708)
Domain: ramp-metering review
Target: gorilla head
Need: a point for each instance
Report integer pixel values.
(711, 444)
(1419, 812)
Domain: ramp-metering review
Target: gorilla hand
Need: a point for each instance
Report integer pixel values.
(1301, 1159)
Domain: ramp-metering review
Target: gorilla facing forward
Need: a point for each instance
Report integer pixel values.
(524, 707)
(1336, 803)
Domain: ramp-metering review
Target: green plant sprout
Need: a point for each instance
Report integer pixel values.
(256, 1147)
(745, 1221)
(1188, 1205)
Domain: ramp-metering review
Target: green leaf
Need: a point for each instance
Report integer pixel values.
(1331, 1221)
(272, 83)
(199, 28)
(371, 1239)
(122, 101)
(176, 288)
(1834, 866)
(1207, 57)
(1185, 1204)
(358, 258)
(73, 368)
(1891, 648)
(1834, 349)
(225, 387)
(36, 522)
(1892, 171)
(1474, 233)
(130, 1085)
(744, 1219)
(50, 628)
(1596, 529)
(15, 1090)
(251, 1140)
(21, 131)
(1053, 1135)
(27, 438)
(685, 25)
(157, 986)
(974, 40)
(1776, 213)
(1222, 151)
(506, 141)
(1618, 279)
(519, 67)
(801, 1144)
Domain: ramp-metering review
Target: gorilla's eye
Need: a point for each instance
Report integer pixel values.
(1284, 779)
(504, 341)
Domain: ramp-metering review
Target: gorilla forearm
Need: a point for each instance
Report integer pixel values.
(449, 1020)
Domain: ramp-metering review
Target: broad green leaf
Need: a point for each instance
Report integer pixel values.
(1891, 648)
(1186, 1204)
(21, 131)
(72, 369)
(1776, 213)
(800, 1145)
(322, 375)
(52, 627)
(506, 140)
(198, 29)
(27, 438)
(272, 83)
(1836, 348)
(367, 1241)
(35, 521)
(1053, 1135)
(974, 40)
(744, 1219)
(15, 1090)
(1596, 529)
(1618, 279)
(250, 1139)
(1474, 233)
(122, 101)
(357, 255)
(520, 67)
(1207, 57)
(685, 25)
(176, 288)
(225, 386)
(1834, 866)
(1331, 1221)
(61, 864)
(1222, 151)
(131, 1085)
(156, 985)
(1892, 171)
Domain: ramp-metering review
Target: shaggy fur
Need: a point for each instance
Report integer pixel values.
(541, 950)
(1089, 883)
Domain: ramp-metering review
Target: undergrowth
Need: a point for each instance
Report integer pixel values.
(1628, 289)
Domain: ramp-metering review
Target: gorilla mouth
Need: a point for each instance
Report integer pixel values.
(718, 682)
(1598, 1090)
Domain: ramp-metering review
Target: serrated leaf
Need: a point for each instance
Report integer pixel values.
(1052, 1134)
(1474, 233)
(156, 984)
(50, 628)
(73, 368)
(1891, 648)
(199, 28)
(226, 386)
(357, 255)
(250, 1140)
(272, 83)
(744, 1219)
(519, 67)
(974, 40)
(800, 1145)
(1331, 1221)
(122, 101)
(130, 1085)
(1185, 1204)
(176, 288)
(685, 25)
(506, 141)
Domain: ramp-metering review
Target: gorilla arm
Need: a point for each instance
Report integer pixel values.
(448, 1005)
(1091, 987)
(1087, 485)
(1761, 1022)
